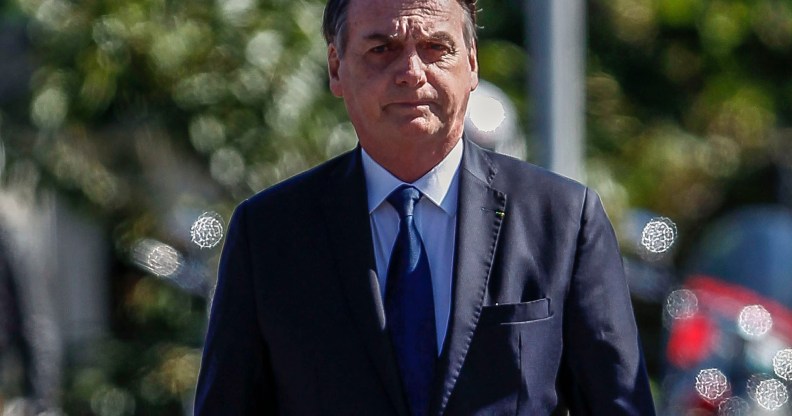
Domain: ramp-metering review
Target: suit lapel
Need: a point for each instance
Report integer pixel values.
(479, 218)
(346, 215)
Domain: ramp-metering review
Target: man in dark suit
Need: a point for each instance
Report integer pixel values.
(419, 274)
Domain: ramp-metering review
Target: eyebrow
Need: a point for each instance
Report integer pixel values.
(380, 37)
(437, 36)
(443, 37)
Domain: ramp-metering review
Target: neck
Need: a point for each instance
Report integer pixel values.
(410, 162)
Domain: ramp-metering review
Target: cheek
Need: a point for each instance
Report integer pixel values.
(361, 99)
(354, 86)
(452, 89)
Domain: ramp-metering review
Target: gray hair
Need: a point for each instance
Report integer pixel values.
(335, 18)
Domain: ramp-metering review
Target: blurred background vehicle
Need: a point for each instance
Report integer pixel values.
(730, 325)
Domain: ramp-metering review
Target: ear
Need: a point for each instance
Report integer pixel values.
(333, 65)
(474, 69)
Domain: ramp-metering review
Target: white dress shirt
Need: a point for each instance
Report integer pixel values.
(435, 217)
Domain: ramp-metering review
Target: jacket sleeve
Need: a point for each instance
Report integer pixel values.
(604, 372)
(236, 375)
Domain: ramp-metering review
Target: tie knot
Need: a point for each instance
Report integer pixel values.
(404, 199)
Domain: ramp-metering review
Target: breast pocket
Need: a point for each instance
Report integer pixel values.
(515, 313)
(506, 337)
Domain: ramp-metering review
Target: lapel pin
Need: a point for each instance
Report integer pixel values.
(498, 213)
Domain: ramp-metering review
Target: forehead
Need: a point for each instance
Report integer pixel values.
(398, 16)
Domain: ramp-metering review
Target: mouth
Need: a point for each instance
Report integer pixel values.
(410, 105)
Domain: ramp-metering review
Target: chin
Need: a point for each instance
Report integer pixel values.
(418, 135)
(419, 127)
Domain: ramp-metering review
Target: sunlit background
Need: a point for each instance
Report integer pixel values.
(130, 129)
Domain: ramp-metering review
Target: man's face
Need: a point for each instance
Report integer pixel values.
(405, 73)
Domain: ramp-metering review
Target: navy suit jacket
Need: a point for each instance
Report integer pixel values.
(541, 320)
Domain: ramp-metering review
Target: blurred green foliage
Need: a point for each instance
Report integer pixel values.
(686, 97)
(139, 106)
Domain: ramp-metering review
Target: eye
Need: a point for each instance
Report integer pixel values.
(379, 49)
(435, 51)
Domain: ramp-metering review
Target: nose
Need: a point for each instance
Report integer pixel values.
(411, 70)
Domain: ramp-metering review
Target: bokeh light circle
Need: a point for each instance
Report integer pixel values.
(486, 113)
(755, 321)
(681, 304)
(734, 406)
(782, 364)
(711, 384)
(207, 230)
(659, 235)
(768, 392)
(157, 258)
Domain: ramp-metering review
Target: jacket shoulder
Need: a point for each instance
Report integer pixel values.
(514, 175)
(302, 189)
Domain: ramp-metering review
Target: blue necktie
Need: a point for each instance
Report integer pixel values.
(409, 304)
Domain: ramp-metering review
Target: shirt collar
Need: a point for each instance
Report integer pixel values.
(438, 185)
